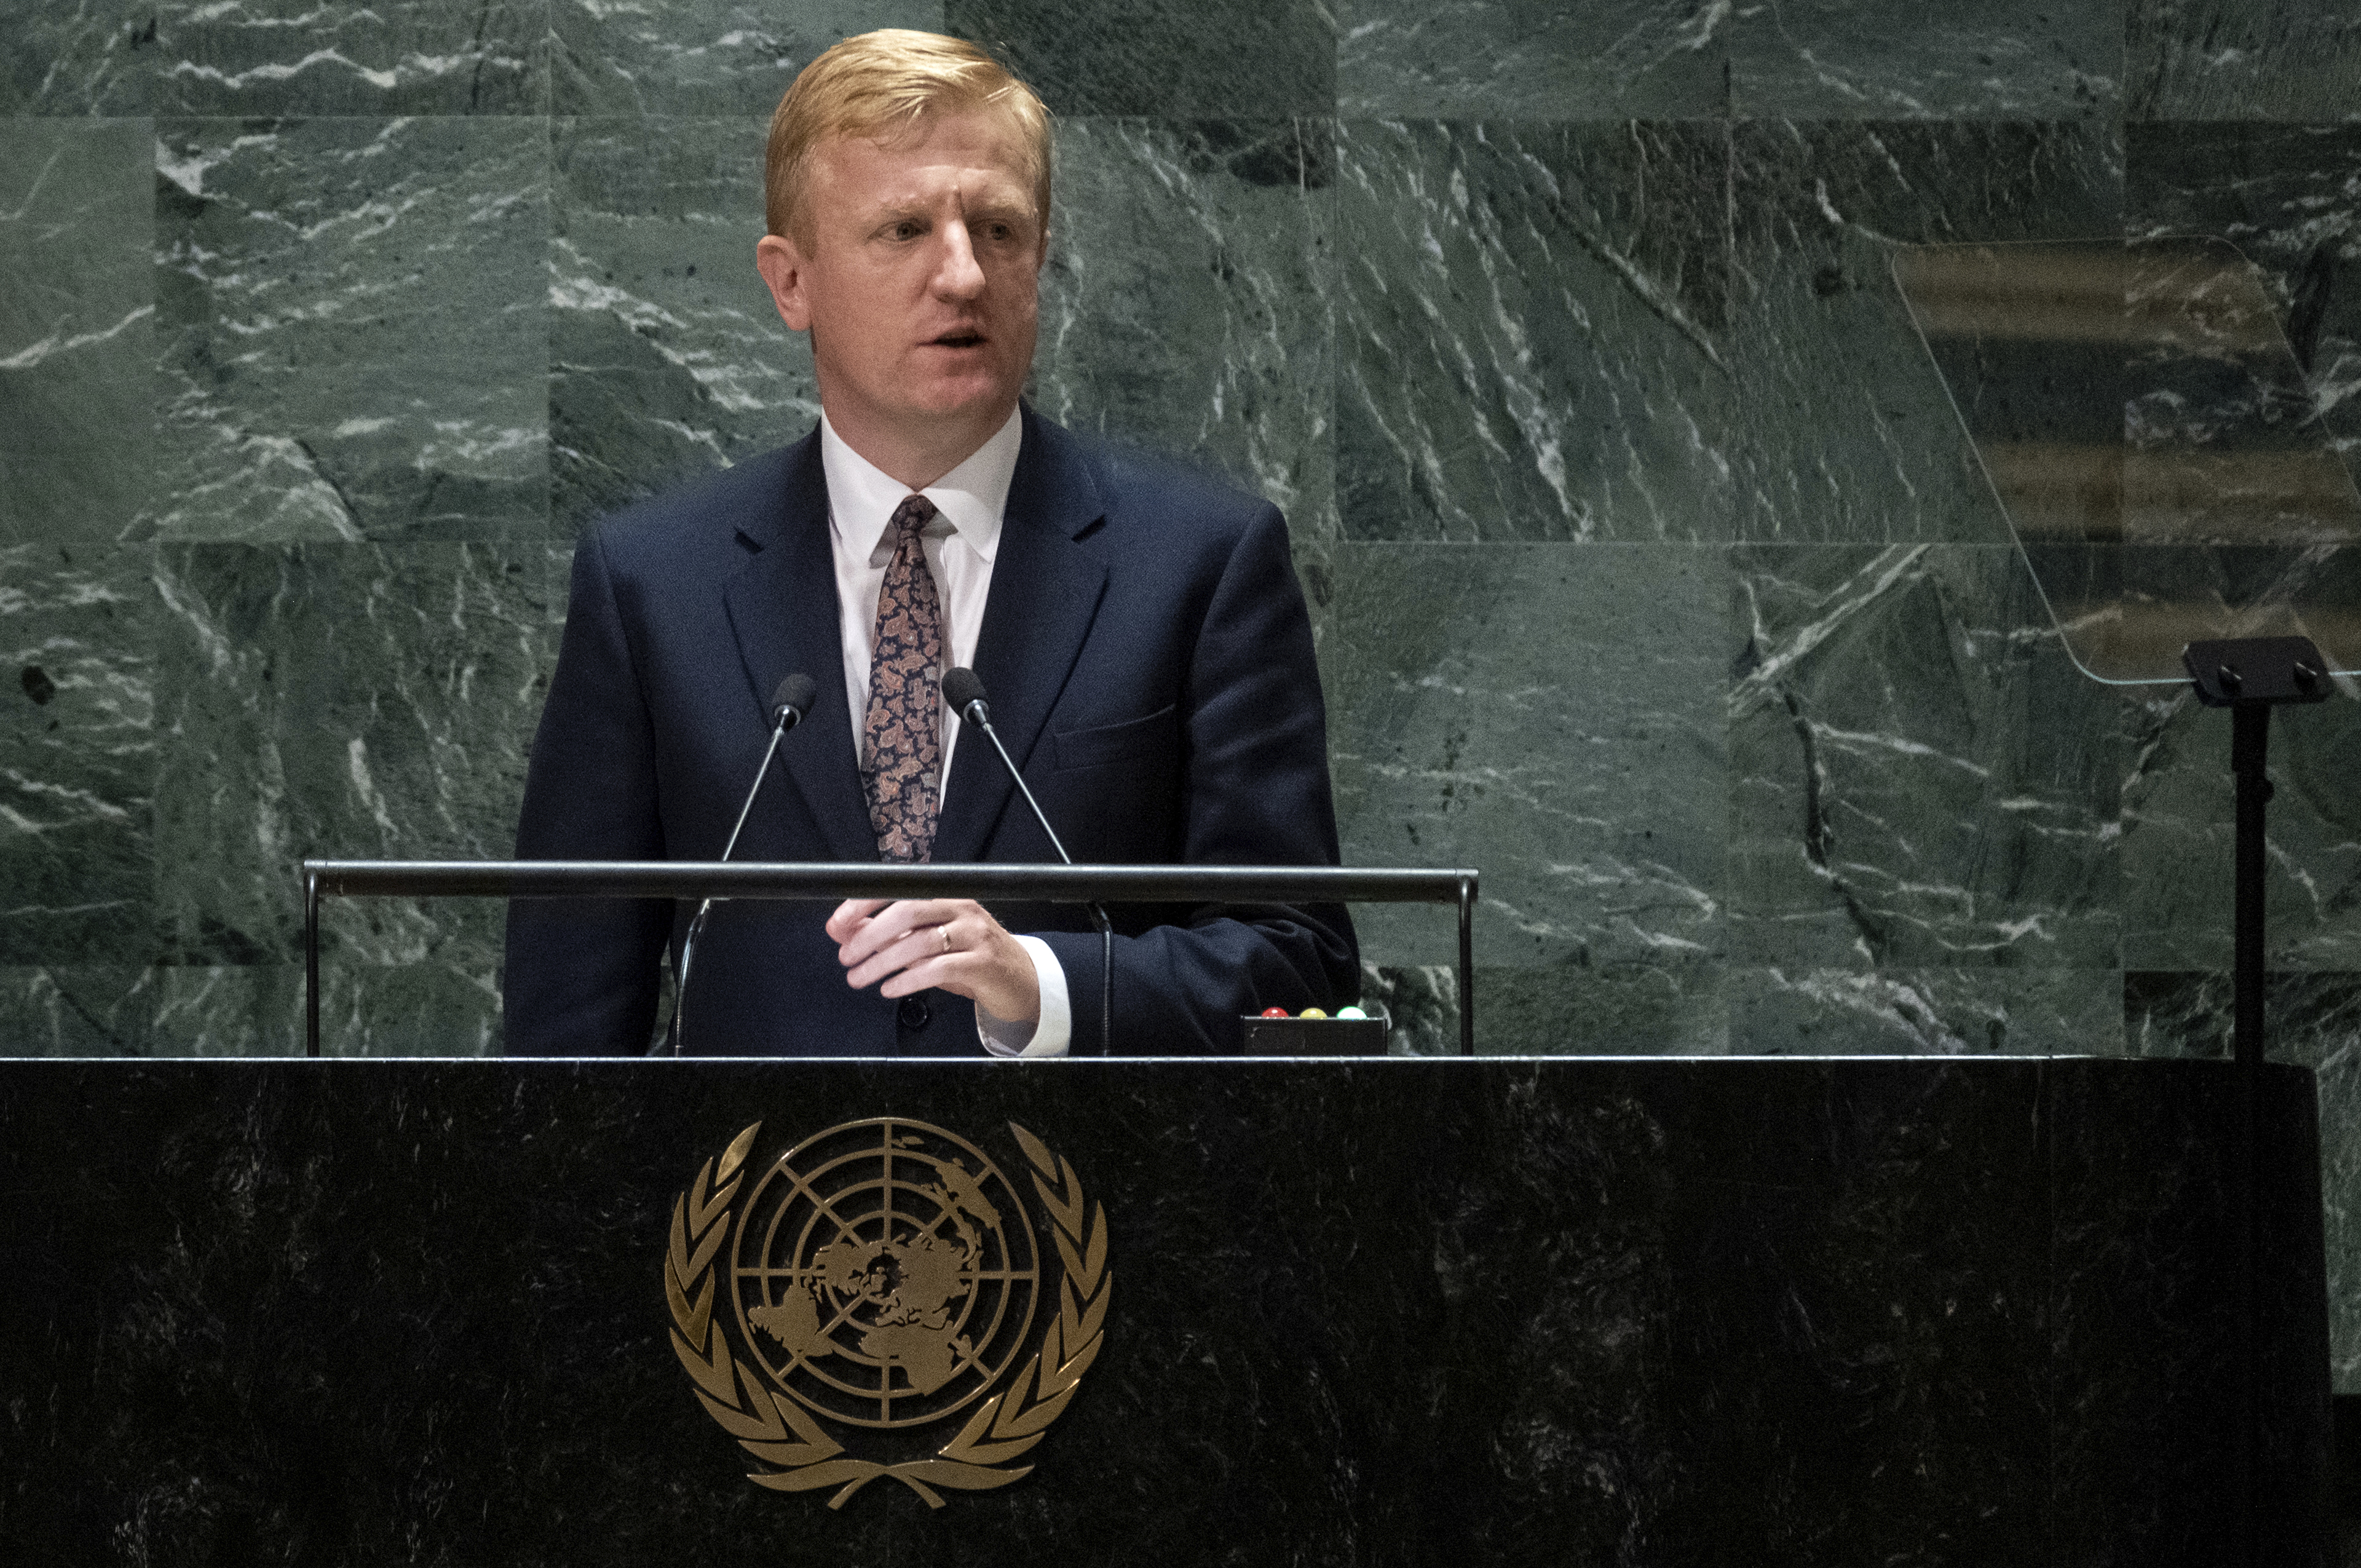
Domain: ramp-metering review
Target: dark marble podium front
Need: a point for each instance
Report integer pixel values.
(1596, 1311)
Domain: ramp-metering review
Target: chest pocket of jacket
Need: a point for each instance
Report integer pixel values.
(1133, 739)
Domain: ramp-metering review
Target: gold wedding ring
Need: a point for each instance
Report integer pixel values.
(946, 931)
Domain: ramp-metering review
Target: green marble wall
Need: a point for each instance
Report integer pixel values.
(1652, 572)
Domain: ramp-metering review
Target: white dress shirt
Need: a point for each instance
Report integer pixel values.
(959, 543)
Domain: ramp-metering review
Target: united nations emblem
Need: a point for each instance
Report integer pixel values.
(881, 1277)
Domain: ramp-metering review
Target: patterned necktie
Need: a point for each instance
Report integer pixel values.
(902, 732)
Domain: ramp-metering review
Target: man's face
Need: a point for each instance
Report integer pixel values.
(916, 272)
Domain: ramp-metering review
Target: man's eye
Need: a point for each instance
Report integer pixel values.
(906, 231)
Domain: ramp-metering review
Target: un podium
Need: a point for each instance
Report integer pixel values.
(1607, 1311)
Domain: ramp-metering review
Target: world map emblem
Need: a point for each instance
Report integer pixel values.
(839, 1306)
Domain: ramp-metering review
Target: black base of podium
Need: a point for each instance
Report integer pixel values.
(1668, 1312)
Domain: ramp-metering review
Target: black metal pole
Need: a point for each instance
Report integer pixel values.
(310, 962)
(2250, 739)
(1466, 966)
(829, 881)
(2249, 750)
(2249, 676)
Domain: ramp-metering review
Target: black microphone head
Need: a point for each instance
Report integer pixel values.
(794, 695)
(962, 691)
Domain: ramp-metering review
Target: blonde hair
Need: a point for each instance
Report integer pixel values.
(880, 85)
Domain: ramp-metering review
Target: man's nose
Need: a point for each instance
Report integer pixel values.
(958, 275)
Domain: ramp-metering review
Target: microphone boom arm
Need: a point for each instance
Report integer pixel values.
(977, 714)
(788, 703)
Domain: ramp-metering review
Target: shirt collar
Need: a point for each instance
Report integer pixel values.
(971, 497)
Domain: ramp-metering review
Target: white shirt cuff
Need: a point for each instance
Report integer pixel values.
(1054, 1033)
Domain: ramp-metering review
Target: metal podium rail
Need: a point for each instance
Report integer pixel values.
(839, 880)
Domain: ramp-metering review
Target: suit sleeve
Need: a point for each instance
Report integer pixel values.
(1253, 791)
(582, 977)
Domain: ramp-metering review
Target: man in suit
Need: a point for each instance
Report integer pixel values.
(1139, 628)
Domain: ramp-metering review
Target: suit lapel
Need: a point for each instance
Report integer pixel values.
(1044, 593)
(783, 610)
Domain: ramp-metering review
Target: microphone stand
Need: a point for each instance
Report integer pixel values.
(788, 715)
(977, 714)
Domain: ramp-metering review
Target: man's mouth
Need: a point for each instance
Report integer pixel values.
(958, 340)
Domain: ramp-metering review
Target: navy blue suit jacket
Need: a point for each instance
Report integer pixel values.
(1150, 667)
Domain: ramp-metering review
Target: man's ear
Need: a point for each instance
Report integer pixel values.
(781, 263)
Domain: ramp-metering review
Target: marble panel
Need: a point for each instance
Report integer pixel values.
(666, 354)
(1678, 1007)
(1540, 60)
(1611, 1009)
(1247, 59)
(2289, 198)
(1843, 429)
(702, 57)
(2180, 844)
(2311, 1018)
(447, 1006)
(355, 330)
(170, 1010)
(89, 57)
(1315, 568)
(228, 1010)
(247, 1009)
(1419, 1002)
(1550, 715)
(344, 701)
(352, 56)
(77, 754)
(1926, 1011)
(77, 346)
(76, 1010)
(1919, 777)
(1186, 304)
(1865, 60)
(1532, 326)
(2242, 60)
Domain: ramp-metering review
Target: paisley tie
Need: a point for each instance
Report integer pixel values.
(902, 732)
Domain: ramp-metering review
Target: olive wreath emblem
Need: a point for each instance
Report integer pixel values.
(780, 1432)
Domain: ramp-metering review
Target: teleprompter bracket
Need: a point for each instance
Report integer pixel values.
(2252, 670)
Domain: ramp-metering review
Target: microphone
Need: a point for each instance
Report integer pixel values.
(790, 700)
(964, 692)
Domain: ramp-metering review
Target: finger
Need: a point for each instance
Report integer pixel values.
(924, 945)
(897, 921)
(934, 932)
(928, 957)
(925, 975)
(849, 916)
(889, 925)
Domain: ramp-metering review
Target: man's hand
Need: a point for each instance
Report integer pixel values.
(904, 947)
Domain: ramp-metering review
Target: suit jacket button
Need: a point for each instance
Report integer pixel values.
(914, 1012)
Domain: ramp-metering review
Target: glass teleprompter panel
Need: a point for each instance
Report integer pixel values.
(2152, 441)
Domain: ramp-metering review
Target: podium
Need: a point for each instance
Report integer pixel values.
(1679, 1311)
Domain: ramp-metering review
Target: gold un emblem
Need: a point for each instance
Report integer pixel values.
(881, 1279)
